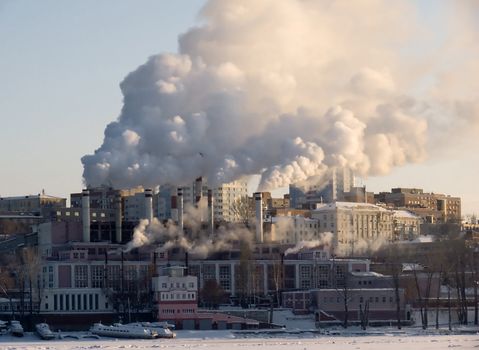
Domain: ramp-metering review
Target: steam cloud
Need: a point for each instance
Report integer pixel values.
(290, 89)
(326, 240)
(200, 244)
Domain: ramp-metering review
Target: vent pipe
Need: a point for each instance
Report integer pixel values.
(85, 204)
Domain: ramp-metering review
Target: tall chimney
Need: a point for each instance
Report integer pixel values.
(148, 205)
(211, 218)
(198, 190)
(180, 208)
(199, 195)
(118, 219)
(174, 206)
(85, 205)
(258, 198)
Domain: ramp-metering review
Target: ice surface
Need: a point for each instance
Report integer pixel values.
(219, 340)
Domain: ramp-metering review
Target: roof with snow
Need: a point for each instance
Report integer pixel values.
(349, 205)
(405, 214)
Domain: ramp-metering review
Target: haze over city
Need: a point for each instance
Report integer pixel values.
(223, 173)
(62, 65)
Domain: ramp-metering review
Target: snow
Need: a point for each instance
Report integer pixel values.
(217, 340)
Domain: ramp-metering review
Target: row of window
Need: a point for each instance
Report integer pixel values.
(178, 285)
(75, 302)
(177, 296)
(332, 300)
(173, 311)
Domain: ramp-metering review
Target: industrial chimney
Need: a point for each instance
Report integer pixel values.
(180, 208)
(198, 193)
(149, 204)
(85, 204)
(118, 219)
(258, 198)
(211, 218)
(174, 206)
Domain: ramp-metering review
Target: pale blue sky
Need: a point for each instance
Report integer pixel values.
(60, 66)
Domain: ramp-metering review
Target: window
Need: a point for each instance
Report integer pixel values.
(81, 276)
(97, 275)
(225, 277)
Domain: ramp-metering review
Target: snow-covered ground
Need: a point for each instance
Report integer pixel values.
(389, 340)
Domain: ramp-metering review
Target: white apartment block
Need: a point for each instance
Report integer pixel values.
(225, 198)
(353, 224)
(293, 229)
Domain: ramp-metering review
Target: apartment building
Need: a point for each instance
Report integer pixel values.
(353, 224)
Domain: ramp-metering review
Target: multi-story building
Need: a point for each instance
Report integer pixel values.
(407, 226)
(39, 205)
(354, 224)
(175, 294)
(292, 229)
(225, 198)
(340, 181)
(432, 207)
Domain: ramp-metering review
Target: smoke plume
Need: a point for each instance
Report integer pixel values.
(325, 241)
(200, 244)
(289, 89)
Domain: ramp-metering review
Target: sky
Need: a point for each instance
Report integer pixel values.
(61, 63)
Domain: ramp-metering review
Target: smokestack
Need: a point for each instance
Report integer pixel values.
(174, 207)
(199, 195)
(149, 204)
(118, 219)
(211, 218)
(85, 204)
(180, 208)
(198, 190)
(258, 198)
(186, 264)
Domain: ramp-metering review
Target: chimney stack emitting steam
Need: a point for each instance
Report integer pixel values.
(258, 198)
(85, 204)
(180, 208)
(148, 205)
(199, 195)
(211, 218)
(118, 219)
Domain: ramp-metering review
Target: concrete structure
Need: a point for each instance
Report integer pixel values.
(292, 229)
(259, 217)
(407, 226)
(354, 224)
(432, 207)
(211, 217)
(176, 295)
(329, 305)
(180, 208)
(40, 205)
(340, 180)
(86, 215)
(224, 199)
(148, 214)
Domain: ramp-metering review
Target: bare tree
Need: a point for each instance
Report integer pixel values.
(243, 210)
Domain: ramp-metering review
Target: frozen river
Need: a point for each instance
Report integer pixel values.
(225, 340)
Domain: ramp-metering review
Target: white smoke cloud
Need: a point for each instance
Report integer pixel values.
(289, 90)
(325, 241)
(199, 243)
